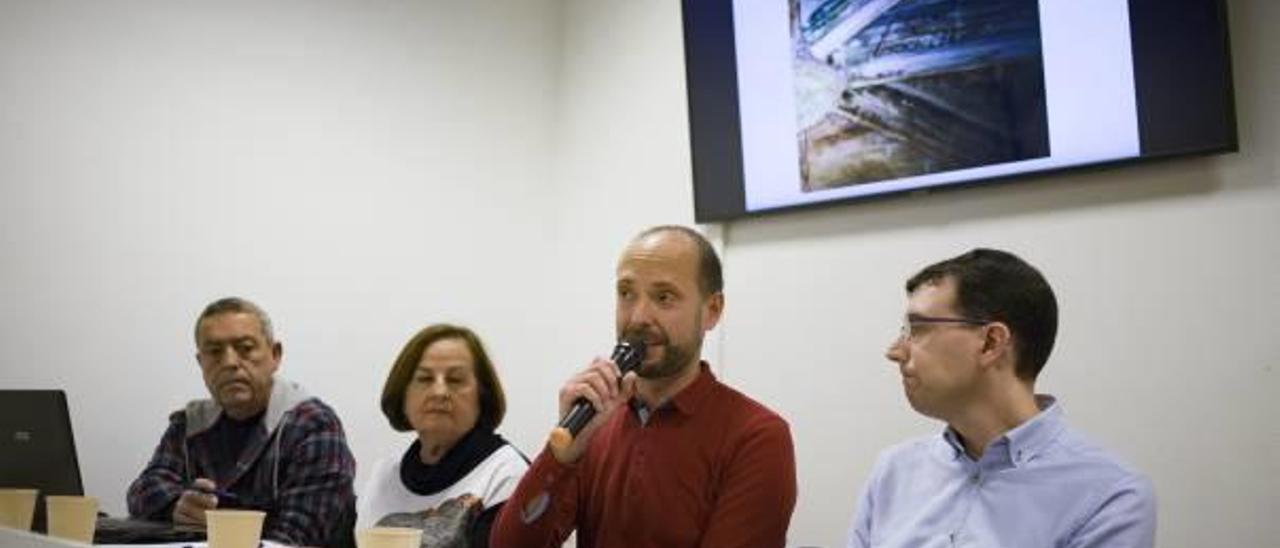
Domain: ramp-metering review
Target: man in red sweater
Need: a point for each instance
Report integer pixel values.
(672, 458)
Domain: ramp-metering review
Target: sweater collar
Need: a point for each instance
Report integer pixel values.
(429, 479)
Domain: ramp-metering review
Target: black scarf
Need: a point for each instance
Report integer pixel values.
(429, 479)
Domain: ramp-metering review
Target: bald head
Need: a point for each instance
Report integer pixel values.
(675, 239)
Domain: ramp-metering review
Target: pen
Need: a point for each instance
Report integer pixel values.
(222, 495)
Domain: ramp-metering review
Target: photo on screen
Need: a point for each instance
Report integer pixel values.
(886, 89)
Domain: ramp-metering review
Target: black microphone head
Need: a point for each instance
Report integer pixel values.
(629, 353)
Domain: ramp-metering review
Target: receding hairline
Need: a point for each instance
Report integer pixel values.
(655, 237)
(686, 250)
(708, 271)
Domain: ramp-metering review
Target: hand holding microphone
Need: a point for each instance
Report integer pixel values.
(598, 389)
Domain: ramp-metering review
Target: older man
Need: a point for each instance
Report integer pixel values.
(673, 457)
(1007, 471)
(261, 442)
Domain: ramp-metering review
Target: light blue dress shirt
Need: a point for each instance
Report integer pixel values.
(1039, 485)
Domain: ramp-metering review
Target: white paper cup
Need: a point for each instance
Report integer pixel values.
(389, 537)
(72, 518)
(234, 528)
(17, 506)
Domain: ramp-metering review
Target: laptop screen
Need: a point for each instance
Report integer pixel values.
(37, 449)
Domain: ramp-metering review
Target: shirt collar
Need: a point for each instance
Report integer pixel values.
(1024, 442)
(953, 448)
(688, 400)
(1031, 438)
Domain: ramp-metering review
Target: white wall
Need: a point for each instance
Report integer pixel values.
(622, 158)
(155, 156)
(359, 169)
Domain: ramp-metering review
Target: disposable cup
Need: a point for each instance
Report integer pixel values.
(234, 528)
(17, 506)
(72, 518)
(389, 537)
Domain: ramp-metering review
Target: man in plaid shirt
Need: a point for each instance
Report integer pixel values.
(260, 443)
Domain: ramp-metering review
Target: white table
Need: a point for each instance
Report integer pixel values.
(13, 538)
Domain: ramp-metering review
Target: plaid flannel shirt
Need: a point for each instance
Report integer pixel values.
(300, 473)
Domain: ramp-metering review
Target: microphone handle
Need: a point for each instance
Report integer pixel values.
(628, 355)
(579, 415)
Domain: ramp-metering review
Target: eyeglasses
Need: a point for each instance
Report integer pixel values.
(912, 326)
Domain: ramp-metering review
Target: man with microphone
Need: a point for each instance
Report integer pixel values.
(671, 457)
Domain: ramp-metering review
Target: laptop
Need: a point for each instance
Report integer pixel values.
(38, 450)
(36, 447)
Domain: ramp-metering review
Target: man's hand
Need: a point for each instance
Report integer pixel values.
(194, 501)
(598, 383)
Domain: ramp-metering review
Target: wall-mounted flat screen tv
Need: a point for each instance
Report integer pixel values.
(794, 103)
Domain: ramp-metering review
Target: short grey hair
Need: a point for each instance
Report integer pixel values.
(227, 305)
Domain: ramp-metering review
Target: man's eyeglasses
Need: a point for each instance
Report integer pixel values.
(914, 326)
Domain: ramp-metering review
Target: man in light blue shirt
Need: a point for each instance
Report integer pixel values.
(1007, 472)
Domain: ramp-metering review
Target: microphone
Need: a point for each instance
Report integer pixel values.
(628, 354)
